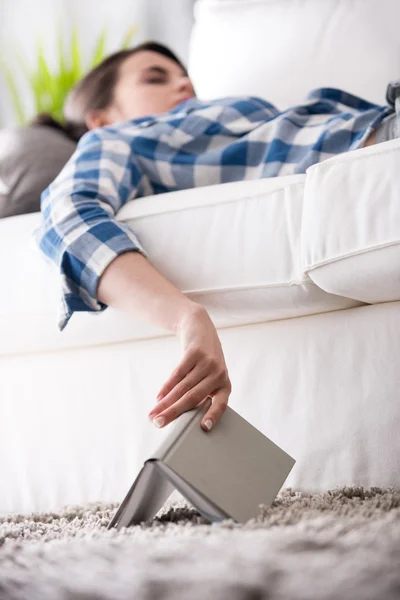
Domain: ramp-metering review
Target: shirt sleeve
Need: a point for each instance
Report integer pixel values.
(79, 231)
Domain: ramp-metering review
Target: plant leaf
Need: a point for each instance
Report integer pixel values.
(22, 64)
(50, 89)
(44, 83)
(62, 67)
(126, 42)
(99, 52)
(76, 56)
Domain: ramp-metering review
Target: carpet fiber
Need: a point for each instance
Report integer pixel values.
(343, 544)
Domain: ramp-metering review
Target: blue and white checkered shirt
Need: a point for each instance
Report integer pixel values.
(197, 143)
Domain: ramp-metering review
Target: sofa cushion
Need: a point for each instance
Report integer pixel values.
(233, 247)
(30, 159)
(351, 224)
(281, 49)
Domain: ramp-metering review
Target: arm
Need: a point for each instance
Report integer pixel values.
(102, 263)
(81, 235)
(131, 284)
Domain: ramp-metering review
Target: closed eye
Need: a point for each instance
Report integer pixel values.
(156, 80)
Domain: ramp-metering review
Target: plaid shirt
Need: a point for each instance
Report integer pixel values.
(197, 143)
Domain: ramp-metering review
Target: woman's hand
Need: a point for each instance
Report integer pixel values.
(201, 373)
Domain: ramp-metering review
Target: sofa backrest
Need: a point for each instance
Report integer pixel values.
(281, 49)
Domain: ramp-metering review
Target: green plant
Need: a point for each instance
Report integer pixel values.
(50, 87)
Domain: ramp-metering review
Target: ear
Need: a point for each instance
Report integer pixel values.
(98, 118)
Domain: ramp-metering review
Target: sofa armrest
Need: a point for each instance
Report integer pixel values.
(351, 224)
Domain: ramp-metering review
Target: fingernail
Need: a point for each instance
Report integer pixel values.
(159, 421)
(208, 424)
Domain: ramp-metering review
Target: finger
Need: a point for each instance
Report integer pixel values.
(186, 365)
(190, 400)
(216, 410)
(189, 382)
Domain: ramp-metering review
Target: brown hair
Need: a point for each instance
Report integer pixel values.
(95, 91)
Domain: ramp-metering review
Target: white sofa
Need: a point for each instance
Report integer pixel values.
(300, 274)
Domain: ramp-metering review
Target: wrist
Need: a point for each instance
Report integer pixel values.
(194, 311)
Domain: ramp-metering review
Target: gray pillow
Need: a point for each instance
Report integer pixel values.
(31, 157)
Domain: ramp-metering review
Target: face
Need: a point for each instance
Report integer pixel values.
(149, 83)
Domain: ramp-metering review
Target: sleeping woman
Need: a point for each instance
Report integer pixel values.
(142, 131)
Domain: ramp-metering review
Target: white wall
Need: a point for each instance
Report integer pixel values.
(170, 23)
(22, 21)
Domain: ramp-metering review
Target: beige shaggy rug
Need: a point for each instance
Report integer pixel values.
(341, 545)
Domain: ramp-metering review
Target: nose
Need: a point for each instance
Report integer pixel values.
(185, 86)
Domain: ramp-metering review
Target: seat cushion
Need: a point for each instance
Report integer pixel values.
(351, 224)
(234, 247)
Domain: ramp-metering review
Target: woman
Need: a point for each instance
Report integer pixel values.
(146, 132)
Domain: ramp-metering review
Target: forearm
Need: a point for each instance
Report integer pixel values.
(131, 284)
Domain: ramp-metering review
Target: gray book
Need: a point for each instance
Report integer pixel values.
(225, 473)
